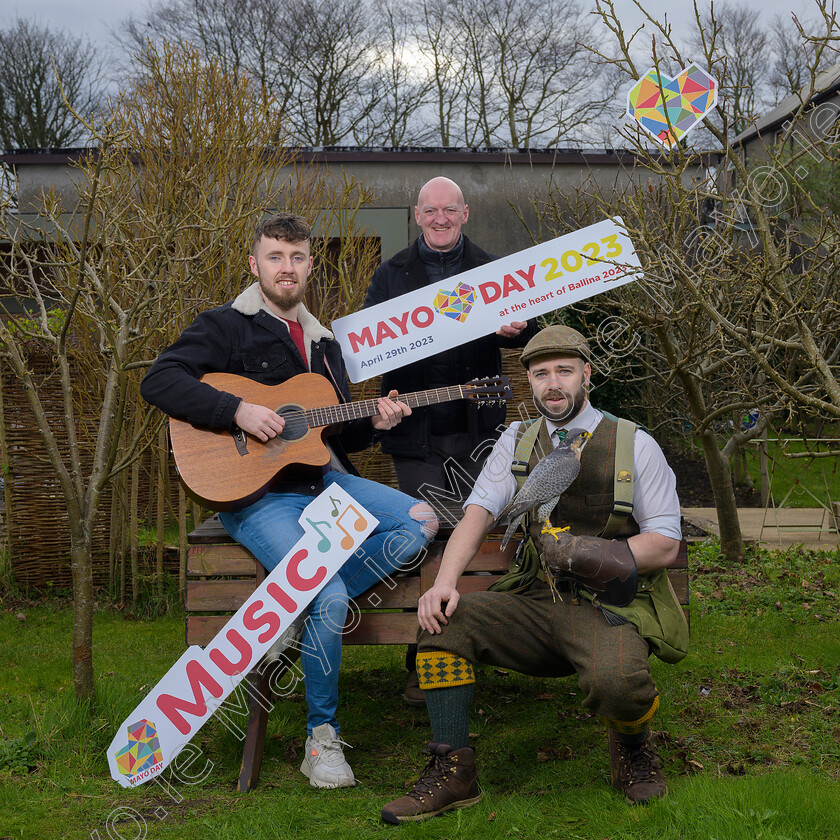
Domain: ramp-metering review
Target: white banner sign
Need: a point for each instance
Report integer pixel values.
(477, 302)
(335, 525)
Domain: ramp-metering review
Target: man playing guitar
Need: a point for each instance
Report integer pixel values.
(267, 335)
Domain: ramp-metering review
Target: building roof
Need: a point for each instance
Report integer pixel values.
(825, 86)
(358, 154)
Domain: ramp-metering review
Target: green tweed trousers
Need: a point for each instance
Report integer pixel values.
(534, 634)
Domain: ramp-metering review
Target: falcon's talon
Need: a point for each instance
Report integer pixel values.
(553, 532)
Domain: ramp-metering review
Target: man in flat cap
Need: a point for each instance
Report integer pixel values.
(597, 603)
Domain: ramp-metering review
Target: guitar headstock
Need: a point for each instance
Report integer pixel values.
(491, 390)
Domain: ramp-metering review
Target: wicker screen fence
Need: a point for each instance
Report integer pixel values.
(129, 540)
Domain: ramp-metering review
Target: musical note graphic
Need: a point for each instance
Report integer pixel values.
(360, 525)
(335, 506)
(324, 542)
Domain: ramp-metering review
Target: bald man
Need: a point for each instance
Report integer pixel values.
(431, 442)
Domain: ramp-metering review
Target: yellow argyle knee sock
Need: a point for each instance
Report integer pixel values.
(634, 727)
(442, 669)
(448, 682)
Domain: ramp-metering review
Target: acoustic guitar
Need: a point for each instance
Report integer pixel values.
(229, 469)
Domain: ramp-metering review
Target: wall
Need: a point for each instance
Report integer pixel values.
(494, 183)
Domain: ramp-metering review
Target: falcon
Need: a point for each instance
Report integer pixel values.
(546, 483)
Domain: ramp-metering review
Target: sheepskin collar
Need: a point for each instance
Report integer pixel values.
(251, 301)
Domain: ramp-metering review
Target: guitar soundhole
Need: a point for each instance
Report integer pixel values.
(296, 425)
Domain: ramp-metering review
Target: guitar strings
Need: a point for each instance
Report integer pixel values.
(325, 415)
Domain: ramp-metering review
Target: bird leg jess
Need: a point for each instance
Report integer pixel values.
(606, 568)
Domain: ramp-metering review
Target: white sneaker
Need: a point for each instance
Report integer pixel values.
(324, 763)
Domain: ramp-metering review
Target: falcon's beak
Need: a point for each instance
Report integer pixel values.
(579, 442)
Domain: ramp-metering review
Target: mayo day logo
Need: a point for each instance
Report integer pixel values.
(142, 752)
(455, 304)
(669, 108)
(433, 318)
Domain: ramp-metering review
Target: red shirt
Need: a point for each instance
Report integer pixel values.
(296, 332)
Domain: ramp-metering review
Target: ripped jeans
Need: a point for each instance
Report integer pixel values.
(269, 528)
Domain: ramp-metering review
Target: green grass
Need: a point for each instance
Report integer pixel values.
(748, 731)
(147, 533)
(797, 482)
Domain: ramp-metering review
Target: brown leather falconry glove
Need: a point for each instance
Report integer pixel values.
(606, 568)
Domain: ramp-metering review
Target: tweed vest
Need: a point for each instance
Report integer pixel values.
(586, 504)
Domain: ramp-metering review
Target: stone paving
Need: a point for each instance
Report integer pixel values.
(776, 527)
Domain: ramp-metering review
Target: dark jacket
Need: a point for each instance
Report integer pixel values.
(241, 337)
(406, 272)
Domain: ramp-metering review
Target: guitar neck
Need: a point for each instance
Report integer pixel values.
(330, 414)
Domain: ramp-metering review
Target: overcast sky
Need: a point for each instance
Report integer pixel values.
(94, 17)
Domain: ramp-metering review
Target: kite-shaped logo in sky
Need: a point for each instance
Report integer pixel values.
(669, 108)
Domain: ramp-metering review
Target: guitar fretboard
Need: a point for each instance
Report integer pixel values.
(330, 414)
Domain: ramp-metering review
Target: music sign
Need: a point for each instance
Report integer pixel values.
(477, 302)
(335, 525)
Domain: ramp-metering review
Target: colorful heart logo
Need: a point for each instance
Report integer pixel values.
(687, 99)
(456, 304)
(142, 751)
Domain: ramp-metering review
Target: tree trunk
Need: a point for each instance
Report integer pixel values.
(740, 469)
(717, 465)
(82, 568)
(113, 542)
(133, 503)
(7, 481)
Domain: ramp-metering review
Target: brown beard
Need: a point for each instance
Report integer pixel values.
(574, 404)
(284, 300)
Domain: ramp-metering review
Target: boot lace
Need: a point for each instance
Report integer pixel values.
(435, 771)
(640, 765)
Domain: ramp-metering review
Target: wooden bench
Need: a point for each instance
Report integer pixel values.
(221, 575)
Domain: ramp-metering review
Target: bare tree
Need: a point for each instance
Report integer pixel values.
(330, 44)
(241, 34)
(39, 68)
(736, 48)
(479, 113)
(445, 57)
(548, 83)
(479, 73)
(314, 59)
(740, 305)
(162, 212)
(515, 73)
(404, 89)
(795, 56)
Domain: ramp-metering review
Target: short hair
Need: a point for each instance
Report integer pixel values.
(285, 226)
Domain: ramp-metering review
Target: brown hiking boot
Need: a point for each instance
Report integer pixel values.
(413, 694)
(636, 771)
(448, 781)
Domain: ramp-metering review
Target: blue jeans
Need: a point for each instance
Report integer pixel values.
(269, 528)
